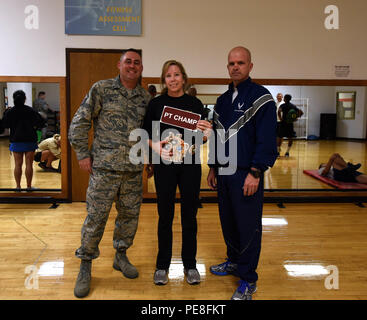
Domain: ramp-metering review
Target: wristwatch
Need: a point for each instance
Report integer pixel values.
(255, 173)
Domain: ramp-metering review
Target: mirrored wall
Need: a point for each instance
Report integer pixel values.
(48, 99)
(311, 144)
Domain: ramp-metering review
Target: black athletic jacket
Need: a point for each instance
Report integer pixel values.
(23, 122)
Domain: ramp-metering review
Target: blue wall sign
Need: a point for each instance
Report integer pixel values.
(103, 17)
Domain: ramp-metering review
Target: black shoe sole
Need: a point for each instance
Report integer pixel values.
(80, 296)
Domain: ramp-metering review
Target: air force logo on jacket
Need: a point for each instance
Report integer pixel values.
(239, 106)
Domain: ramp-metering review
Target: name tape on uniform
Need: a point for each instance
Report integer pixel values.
(180, 118)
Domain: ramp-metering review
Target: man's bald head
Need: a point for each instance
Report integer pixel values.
(242, 49)
(239, 64)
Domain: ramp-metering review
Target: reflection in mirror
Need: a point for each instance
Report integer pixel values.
(318, 134)
(45, 98)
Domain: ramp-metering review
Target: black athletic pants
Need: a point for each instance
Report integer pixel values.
(167, 177)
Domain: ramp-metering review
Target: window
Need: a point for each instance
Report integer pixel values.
(345, 105)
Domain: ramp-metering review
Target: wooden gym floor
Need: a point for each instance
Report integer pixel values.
(304, 246)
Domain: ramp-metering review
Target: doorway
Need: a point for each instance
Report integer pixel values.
(84, 68)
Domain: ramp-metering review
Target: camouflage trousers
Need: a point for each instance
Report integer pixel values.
(104, 187)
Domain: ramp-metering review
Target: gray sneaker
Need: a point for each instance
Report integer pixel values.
(244, 291)
(82, 284)
(160, 277)
(122, 263)
(192, 276)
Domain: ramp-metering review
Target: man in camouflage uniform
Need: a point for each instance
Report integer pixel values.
(115, 107)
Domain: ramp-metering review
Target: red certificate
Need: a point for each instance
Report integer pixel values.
(180, 118)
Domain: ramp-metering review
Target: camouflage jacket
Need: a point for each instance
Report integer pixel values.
(114, 112)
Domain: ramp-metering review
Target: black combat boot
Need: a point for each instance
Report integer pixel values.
(122, 263)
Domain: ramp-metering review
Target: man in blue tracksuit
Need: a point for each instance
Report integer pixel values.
(246, 112)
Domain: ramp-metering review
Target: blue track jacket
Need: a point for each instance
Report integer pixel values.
(251, 118)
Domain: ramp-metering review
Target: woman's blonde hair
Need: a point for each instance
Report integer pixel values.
(166, 65)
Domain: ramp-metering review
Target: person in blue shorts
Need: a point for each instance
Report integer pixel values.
(23, 122)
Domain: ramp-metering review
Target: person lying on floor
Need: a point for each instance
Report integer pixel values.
(338, 169)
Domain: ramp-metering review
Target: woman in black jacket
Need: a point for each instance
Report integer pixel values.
(23, 122)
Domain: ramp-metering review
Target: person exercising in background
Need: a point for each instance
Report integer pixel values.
(192, 92)
(278, 103)
(43, 108)
(23, 122)
(152, 90)
(287, 113)
(340, 170)
(48, 151)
